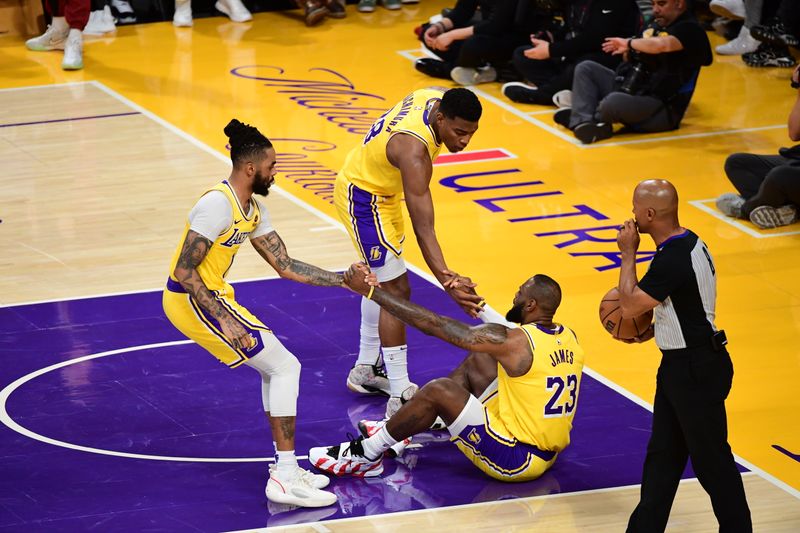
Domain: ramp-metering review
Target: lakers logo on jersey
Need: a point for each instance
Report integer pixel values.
(375, 253)
(473, 436)
(238, 237)
(253, 341)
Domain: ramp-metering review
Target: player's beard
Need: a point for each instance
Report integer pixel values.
(261, 184)
(515, 314)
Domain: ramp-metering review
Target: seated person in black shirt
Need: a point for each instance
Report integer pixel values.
(651, 89)
(547, 67)
(471, 50)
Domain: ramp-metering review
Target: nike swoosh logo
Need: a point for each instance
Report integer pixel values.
(605, 11)
(237, 221)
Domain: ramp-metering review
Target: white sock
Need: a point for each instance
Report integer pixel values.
(60, 23)
(378, 443)
(287, 463)
(369, 349)
(395, 357)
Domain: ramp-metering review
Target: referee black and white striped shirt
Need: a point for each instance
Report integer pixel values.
(683, 278)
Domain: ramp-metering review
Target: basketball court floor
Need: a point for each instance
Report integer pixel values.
(112, 421)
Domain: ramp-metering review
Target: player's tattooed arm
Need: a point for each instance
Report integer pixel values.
(194, 250)
(273, 250)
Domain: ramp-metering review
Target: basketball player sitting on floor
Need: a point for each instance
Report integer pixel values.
(508, 406)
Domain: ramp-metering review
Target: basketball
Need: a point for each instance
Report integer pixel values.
(621, 328)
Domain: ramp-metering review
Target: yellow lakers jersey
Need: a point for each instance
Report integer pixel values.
(218, 261)
(538, 407)
(367, 167)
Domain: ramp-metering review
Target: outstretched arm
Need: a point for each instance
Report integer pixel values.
(195, 248)
(508, 346)
(411, 157)
(272, 249)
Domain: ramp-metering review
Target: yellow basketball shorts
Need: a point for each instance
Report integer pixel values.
(374, 223)
(196, 323)
(498, 455)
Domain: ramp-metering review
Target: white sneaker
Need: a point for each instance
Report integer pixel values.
(53, 39)
(124, 11)
(368, 379)
(183, 14)
(768, 217)
(100, 22)
(473, 76)
(730, 204)
(73, 51)
(396, 402)
(296, 491)
(234, 9)
(563, 99)
(732, 9)
(369, 427)
(744, 43)
(318, 481)
(346, 459)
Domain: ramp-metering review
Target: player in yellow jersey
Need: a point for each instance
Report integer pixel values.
(508, 407)
(394, 162)
(202, 305)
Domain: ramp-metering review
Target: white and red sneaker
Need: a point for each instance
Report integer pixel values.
(346, 459)
(296, 490)
(318, 481)
(369, 427)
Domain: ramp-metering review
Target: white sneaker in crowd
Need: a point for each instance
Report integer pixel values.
(563, 99)
(296, 490)
(732, 9)
(234, 9)
(73, 51)
(53, 39)
(124, 12)
(473, 76)
(100, 22)
(744, 43)
(183, 14)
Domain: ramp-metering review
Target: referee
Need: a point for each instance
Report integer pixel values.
(695, 374)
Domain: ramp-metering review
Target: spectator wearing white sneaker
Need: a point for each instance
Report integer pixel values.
(65, 31)
(233, 9)
(750, 11)
(547, 64)
(499, 404)
(101, 21)
(768, 185)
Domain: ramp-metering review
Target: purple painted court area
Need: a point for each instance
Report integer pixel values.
(178, 401)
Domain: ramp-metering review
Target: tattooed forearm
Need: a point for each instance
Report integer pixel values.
(272, 249)
(195, 248)
(447, 329)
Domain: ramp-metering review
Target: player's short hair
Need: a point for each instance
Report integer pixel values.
(247, 143)
(546, 291)
(461, 103)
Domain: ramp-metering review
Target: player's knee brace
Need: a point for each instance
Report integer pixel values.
(280, 371)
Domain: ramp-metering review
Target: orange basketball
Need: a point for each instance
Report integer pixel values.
(621, 328)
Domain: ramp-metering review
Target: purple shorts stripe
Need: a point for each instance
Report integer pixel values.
(507, 457)
(366, 224)
(174, 286)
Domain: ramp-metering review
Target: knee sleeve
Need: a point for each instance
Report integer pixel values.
(280, 371)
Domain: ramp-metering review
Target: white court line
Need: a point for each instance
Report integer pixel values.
(558, 495)
(572, 140)
(50, 86)
(700, 204)
(425, 275)
(6, 419)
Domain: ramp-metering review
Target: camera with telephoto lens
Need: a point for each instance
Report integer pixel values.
(634, 79)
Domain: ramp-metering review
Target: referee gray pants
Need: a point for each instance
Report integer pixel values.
(689, 420)
(595, 99)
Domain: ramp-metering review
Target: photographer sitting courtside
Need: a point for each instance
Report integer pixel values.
(651, 89)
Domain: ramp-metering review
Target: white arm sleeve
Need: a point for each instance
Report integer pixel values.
(490, 316)
(211, 215)
(265, 225)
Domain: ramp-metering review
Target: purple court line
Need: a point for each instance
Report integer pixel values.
(69, 119)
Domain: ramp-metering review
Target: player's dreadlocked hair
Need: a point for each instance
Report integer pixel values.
(246, 142)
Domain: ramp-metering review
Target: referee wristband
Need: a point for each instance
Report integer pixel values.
(630, 45)
(371, 291)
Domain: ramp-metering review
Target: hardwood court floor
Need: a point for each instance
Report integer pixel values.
(93, 206)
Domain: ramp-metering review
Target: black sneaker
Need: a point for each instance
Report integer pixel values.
(774, 33)
(767, 55)
(562, 117)
(522, 93)
(591, 132)
(434, 68)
